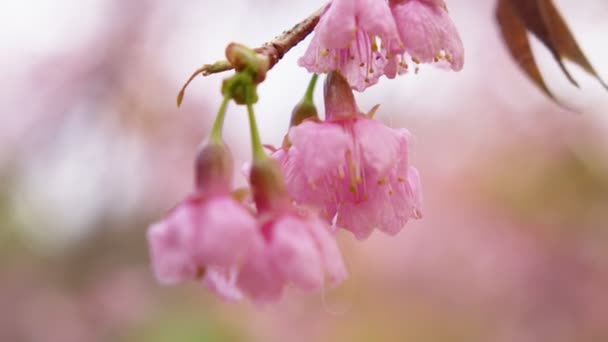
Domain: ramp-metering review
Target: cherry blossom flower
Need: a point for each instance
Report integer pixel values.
(427, 33)
(202, 238)
(356, 37)
(208, 234)
(352, 167)
(298, 247)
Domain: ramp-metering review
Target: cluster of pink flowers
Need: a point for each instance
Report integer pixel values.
(365, 39)
(347, 171)
(236, 248)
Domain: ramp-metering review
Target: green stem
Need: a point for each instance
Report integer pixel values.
(218, 124)
(256, 144)
(311, 88)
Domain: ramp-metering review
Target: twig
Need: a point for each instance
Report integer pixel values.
(274, 50)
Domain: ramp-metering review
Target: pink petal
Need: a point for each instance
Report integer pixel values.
(330, 253)
(169, 242)
(413, 181)
(321, 147)
(257, 278)
(376, 18)
(226, 229)
(317, 58)
(222, 282)
(295, 255)
(362, 66)
(426, 30)
(381, 146)
(360, 218)
(337, 24)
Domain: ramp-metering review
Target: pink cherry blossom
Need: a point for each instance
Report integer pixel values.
(347, 39)
(354, 168)
(202, 237)
(427, 33)
(351, 167)
(296, 249)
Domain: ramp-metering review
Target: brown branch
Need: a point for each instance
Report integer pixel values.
(274, 50)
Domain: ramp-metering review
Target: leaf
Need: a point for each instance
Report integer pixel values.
(541, 18)
(515, 35)
(564, 41)
(530, 13)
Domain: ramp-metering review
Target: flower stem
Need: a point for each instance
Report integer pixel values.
(274, 50)
(218, 124)
(256, 143)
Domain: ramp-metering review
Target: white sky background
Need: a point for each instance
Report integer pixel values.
(31, 30)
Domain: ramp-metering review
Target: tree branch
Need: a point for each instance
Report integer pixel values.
(274, 50)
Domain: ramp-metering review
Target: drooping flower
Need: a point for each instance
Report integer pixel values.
(201, 238)
(427, 33)
(209, 234)
(213, 238)
(298, 247)
(356, 37)
(352, 167)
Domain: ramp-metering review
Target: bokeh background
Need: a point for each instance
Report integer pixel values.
(513, 246)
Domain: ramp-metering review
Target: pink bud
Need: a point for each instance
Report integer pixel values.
(267, 185)
(214, 169)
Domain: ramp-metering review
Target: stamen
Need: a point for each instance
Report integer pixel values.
(374, 45)
(448, 57)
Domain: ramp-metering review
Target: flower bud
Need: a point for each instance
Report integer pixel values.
(267, 185)
(302, 111)
(244, 58)
(214, 168)
(339, 98)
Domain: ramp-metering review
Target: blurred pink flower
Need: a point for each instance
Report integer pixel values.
(297, 247)
(356, 168)
(346, 39)
(352, 166)
(212, 237)
(427, 33)
(209, 234)
(200, 234)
